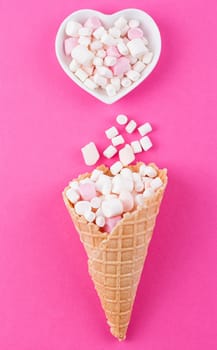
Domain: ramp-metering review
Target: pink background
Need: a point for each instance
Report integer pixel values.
(47, 300)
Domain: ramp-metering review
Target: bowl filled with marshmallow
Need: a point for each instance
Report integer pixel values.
(108, 55)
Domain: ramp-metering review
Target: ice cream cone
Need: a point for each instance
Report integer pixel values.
(116, 259)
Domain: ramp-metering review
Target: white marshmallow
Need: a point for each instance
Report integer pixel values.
(116, 83)
(139, 200)
(133, 23)
(116, 168)
(147, 58)
(74, 184)
(81, 74)
(100, 221)
(85, 31)
(137, 47)
(126, 172)
(72, 195)
(99, 80)
(95, 202)
(96, 45)
(89, 216)
(126, 82)
(144, 129)
(73, 66)
(84, 40)
(136, 146)
(98, 61)
(126, 155)
(99, 212)
(106, 188)
(99, 32)
(138, 183)
(146, 143)
(156, 183)
(90, 84)
(103, 181)
(90, 154)
(82, 207)
(148, 193)
(111, 132)
(139, 66)
(95, 174)
(112, 207)
(110, 61)
(108, 40)
(115, 32)
(127, 200)
(121, 119)
(150, 171)
(117, 140)
(122, 48)
(110, 89)
(124, 30)
(142, 170)
(101, 53)
(82, 55)
(133, 75)
(104, 72)
(133, 60)
(72, 28)
(131, 126)
(121, 22)
(122, 183)
(110, 151)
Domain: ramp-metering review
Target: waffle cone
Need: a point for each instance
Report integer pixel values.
(116, 260)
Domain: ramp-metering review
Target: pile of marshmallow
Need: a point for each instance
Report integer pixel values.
(125, 153)
(103, 199)
(108, 59)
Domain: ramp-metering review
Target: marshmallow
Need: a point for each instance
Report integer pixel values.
(134, 33)
(150, 171)
(108, 39)
(144, 129)
(103, 181)
(111, 223)
(122, 66)
(99, 80)
(116, 83)
(139, 199)
(93, 23)
(126, 172)
(87, 191)
(133, 23)
(138, 184)
(85, 31)
(89, 83)
(146, 143)
(127, 200)
(139, 67)
(73, 66)
(72, 195)
(148, 193)
(98, 61)
(122, 183)
(96, 45)
(116, 168)
(112, 207)
(82, 55)
(72, 28)
(133, 60)
(121, 119)
(126, 155)
(133, 75)
(89, 216)
(99, 32)
(110, 89)
(110, 61)
(74, 184)
(142, 170)
(156, 183)
(90, 154)
(69, 44)
(147, 58)
(124, 30)
(122, 48)
(106, 188)
(111, 132)
(95, 202)
(104, 71)
(115, 32)
(88, 69)
(110, 151)
(120, 23)
(136, 146)
(81, 74)
(84, 40)
(101, 53)
(82, 207)
(100, 221)
(137, 47)
(117, 140)
(147, 182)
(131, 126)
(125, 82)
(113, 51)
(95, 174)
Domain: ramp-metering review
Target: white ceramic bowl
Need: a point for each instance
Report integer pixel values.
(147, 24)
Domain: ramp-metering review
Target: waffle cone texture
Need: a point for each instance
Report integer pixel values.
(116, 259)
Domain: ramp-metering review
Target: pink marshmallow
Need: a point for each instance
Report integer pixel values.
(87, 191)
(113, 51)
(122, 66)
(93, 22)
(69, 44)
(135, 33)
(111, 223)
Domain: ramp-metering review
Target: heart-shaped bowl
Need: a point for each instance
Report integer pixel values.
(151, 32)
